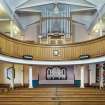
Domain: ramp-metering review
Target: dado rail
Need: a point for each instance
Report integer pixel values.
(15, 48)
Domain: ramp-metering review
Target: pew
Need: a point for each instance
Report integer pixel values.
(53, 96)
(4, 88)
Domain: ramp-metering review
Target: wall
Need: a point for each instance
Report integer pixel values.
(3, 73)
(80, 33)
(31, 33)
(26, 74)
(77, 72)
(92, 69)
(39, 72)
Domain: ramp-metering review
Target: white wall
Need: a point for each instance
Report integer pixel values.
(41, 71)
(77, 73)
(80, 33)
(31, 33)
(3, 73)
(92, 68)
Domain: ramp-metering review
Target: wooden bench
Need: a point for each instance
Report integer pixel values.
(4, 88)
(53, 96)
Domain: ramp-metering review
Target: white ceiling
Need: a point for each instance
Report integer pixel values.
(26, 12)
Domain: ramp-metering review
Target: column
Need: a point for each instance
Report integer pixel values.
(92, 74)
(40, 25)
(82, 77)
(89, 77)
(30, 77)
(11, 73)
(12, 80)
(22, 74)
(101, 26)
(101, 76)
(25, 75)
(11, 28)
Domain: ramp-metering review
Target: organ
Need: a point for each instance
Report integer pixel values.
(52, 23)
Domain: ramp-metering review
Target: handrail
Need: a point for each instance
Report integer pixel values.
(16, 48)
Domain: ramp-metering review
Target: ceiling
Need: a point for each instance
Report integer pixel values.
(26, 12)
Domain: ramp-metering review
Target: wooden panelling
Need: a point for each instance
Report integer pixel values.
(16, 48)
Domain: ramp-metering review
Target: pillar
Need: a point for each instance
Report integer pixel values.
(30, 77)
(92, 74)
(12, 82)
(22, 74)
(82, 77)
(101, 76)
(25, 75)
(11, 28)
(12, 78)
(101, 26)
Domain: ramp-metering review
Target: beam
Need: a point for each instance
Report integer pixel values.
(84, 9)
(8, 10)
(35, 4)
(97, 17)
(75, 21)
(1, 19)
(22, 3)
(35, 22)
(19, 24)
(27, 10)
(35, 62)
(11, 13)
(77, 4)
(91, 3)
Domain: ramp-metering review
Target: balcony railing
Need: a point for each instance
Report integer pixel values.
(15, 48)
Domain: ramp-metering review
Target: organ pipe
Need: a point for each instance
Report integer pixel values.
(40, 25)
(11, 29)
(68, 19)
(70, 22)
(48, 20)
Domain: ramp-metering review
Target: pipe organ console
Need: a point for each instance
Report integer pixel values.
(56, 73)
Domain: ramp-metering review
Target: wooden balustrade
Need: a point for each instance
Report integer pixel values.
(16, 48)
